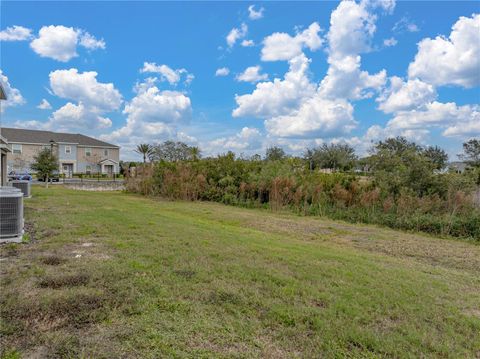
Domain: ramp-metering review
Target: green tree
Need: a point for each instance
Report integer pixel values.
(334, 156)
(171, 151)
(44, 163)
(397, 163)
(145, 150)
(275, 153)
(437, 156)
(471, 152)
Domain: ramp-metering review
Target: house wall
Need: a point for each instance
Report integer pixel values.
(22, 162)
(97, 155)
(62, 156)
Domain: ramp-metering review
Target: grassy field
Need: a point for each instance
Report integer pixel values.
(110, 275)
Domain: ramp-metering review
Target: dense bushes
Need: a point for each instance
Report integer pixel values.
(414, 199)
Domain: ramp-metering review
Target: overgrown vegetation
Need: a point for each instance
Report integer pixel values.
(404, 188)
(116, 275)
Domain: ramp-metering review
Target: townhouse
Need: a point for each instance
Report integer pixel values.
(76, 153)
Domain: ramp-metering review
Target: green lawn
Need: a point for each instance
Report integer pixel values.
(110, 275)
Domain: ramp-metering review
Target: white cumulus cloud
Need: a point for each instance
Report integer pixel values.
(60, 42)
(390, 42)
(247, 140)
(401, 96)
(317, 117)
(56, 42)
(282, 46)
(166, 73)
(84, 87)
(252, 74)
(44, 105)
(236, 34)
(15, 33)
(254, 14)
(450, 61)
(222, 71)
(280, 96)
(247, 43)
(152, 116)
(14, 97)
(351, 29)
(71, 116)
(89, 42)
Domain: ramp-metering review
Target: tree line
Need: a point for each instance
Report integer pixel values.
(335, 156)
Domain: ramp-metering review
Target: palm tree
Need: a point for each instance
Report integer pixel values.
(195, 153)
(145, 150)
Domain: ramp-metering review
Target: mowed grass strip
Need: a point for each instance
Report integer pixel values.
(110, 275)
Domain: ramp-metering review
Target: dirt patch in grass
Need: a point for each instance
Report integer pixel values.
(53, 260)
(27, 316)
(64, 280)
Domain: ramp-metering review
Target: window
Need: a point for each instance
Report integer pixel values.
(105, 152)
(68, 149)
(16, 148)
(88, 152)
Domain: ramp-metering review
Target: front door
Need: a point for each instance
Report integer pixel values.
(67, 169)
(109, 169)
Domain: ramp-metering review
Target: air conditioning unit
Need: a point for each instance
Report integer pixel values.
(24, 186)
(11, 214)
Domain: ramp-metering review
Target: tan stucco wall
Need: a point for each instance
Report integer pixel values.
(97, 154)
(22, 161)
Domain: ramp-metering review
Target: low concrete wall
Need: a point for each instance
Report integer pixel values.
(97, 186)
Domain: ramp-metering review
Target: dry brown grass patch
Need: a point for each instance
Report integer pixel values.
(65, 280)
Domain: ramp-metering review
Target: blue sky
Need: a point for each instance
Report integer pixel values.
(243, 76)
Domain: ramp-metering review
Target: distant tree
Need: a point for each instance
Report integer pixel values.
(171, 151)
(274, 153)
(437, 156)
(145, 150)
(334, 156)
(471, 152)
(195, 153)
(256, 157)
(397, 163)
(396, 146)
(44, 163)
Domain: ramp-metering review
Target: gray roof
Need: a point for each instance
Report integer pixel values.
(43, 137)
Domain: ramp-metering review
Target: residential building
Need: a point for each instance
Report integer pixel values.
(457, 167)
(76, 153)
